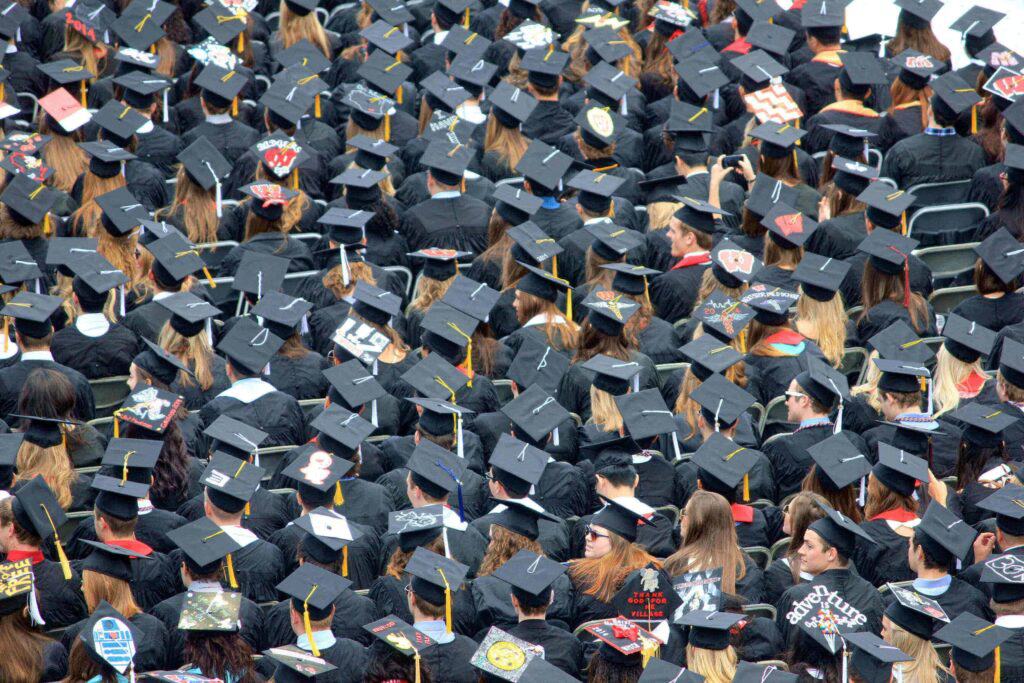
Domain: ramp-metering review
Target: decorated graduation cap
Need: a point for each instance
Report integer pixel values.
(434, 578)
(148, 407)
(709, 630)
(327, 532)
(916, 68)
(985, 424)
(771, 304)
(415, 527)
(788, 227)
(722, 402)
(317, 473)
(534, 414)
(295, 665)
(312, 590)
(538, 363)
(722, 464)
(839, 531)
(820, 277)
(503, 656)
(437, 471)
(899, 470)
(111, 560)
(1003, 572)
(400, 636)
(624, 642)
(531, 577)
(599, 127)
(230, 483)
(839, 463)
(620, 516)
(211, 611)
(110, 639)
(914, 612)
(944, 535)
(975, 641)
(17, 590)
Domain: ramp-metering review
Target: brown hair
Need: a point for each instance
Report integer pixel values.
(657, 61)
(82, 50)
(921, 39)
(221, 655)
(594, 343)
(359, 271)
(498, 241)
(709, 540)
(23, 649)
(564, 335)
(777, 255)
(902, 94)
(86, 218)
(82, 667)
(63, 155)
(602, 577)
(25, 536)
(12, 230)
(844, 501)
(429, 291)
(53, 463)
(198, 209)
(294, 28)
(293, 347)
(98, 587)
(877, 287)
(783, 168)
(294, 209)
(400, 558)
(503, 545)
(881, 499)
(195, 352)
(987, 282)
(509, 144)
(804, 510)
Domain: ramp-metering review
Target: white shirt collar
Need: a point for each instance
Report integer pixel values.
(470, 112)
(205, 587)
(542, 318)
(447, 194)
(248, 390)
(157, 296)
(439, 37)
(324, 640)
(218, 119)
(599, 219)
(147, 127)
(92, 324)
(693, 173)
(37, 355)
(11, 48)
(1011, 621)
(436, 630)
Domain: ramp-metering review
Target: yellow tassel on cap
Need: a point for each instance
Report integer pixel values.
(241, 42)
(46, 224)
(234, 107)
(305, 622)
(339, 498)
(344, 561)
(447, 601)
(316, 105)
(64, 564)
(469, 351)
(554, 265)
(387, 128)
(81, 91)
(7, 333)
(746, 488)
(974, 119)
(295, 179)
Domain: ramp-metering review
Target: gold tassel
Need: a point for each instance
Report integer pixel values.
(465, 20)
(295, 179)
(46, 224)
(339, 498)
(469, 351)
(903, 224)
(398, 95)
(117, 431)
(209, 278)
(7, 333)
(344, 561)
(316, 105)
(647, 291)
(416, 657)
(241, 41)
(3, 93)
(247, 511)
(554, 266)
(447, 601)
(234, 107)
(997, 667)
(81, 90)
(232, 581)
(305, 622)
(64, 564)
(387, 128)
(796, 164)
(974, 119)
(746, 488)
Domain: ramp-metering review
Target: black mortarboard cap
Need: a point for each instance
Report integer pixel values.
(839, 530)
(709, 630)
(607, 84)
(766, 193)
(748, 672)
(384, 71)
(619, 516)
(645, 414)
(249, 346)
(900, 342)
(530, 573)
(974, 640)
(872, 658)
(447, 162)
(612, 374)
(230, 483)
(204, 163)
(708, 355)
(220, 23)
(823, 14)
(139, 23)
(772, 38)
(189, 313)
(536, 412)
(823, 382)
(178, 257)
(221, 82)
(111, 560)
(436, 469)
(314, 589)
(1003, 572)
(1011, 361)
(394, 13)
(952, 95)
(899, 470)
(31, 312)
(538, 363)
(234, 434)
(544, 166)
(820, 277)
(390, 39)
(922, 9)
(861, 70)
(356, 385)
(203, 543)
(839, 462)
(721, 401)
(28, 198)
(986, 424)
(1003, 254)
(425, 375)
(887, 250)
(65, 71)
(513, 102)
(944, 528)
(599, 126)
(433, 574)
(722, 463)
(122, 212)
(344, 427)
(966, 340)
(470, 297)
(758, 68)
(771, 304)
(777, 138)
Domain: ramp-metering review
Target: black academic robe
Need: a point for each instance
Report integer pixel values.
(553, 538)
(350, 660)
(389, 596)
(674, 292)
(885, 313)
(151, 528)
(886, 559)
(252, 629)
(771, 375)
(561, 648)
(453, 223)
(268, 512)
(995, 314)
(548, 122)
(492, 598)
(299, 257)
(931, 159)
(790, 458)
(363, 553)
(147, 320)
(846, 112)
(762, 483)
(904, 122)
(960, 598)
(920, 279)
(395, 451)
(152, 650)
(60, 601)
(302, 377)
(778, 578)
(945, 445)
(475, 496)
(490, 426)
(589, 608)
(838, 237)
(153, 579)
(557, 222)
(195, 396)
(107, 355)
(276, 413)
(259, 567)
(776, 276)
(159, 148)
(468, 546)
(231, 139)
(351, 611)
(817, 79)
(859, 605)
(14, 377)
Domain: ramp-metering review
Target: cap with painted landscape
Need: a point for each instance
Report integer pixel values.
(872, 658)
(249, 347)
(544, 65)
(535, 413)
(390, 39)
(974, 641)
(607, 84)
(758, 68)
(139, 25)
(470, 297)
(544, 167)
(538, 363)
(820, 277)
(65, 109)
(772, 38)
(839, 462)
(952, 96)
(28, 200)
(966, 340)
(722, 402)
(888, 251)
(840, 531)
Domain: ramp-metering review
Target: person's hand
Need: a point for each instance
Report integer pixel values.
(718, 171)
(937, 489)
(984, 544)
(746, 169)
(824, 210)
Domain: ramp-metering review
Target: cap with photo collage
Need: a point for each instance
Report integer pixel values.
(670, 17)
(899, 470)
(974, 640)
(722, 402)
(820, 277)
(437, 471)
(839, 463)
(944, 535)
(872, 658)
(249, 347)
(535, 414)
(28, 201)
(313, 591)
(839, 531)
(214, 611)
(435, 578)
(608, 85)
(544, 167)
(985, 425)
(189, 314)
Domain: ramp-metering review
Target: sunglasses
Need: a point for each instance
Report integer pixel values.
(594, 535)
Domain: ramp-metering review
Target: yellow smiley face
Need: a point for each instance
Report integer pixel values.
(506, 656)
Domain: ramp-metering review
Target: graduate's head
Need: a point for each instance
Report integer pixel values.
(421, 491)
(617, 472)
(819, 37)
(14, 533)
(818, 555)
(923, 553)
(684, 239)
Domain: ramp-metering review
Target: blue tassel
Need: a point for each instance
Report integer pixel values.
(458, 483)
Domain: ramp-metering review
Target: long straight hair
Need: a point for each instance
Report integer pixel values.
(602, 577)
(709, 541)
(925, 665)
(950, 371)
(825, 323)
(509, 144)
(877, 287)
(295, 28)
(198, 209)
(562, 335)
(195, 352)
(23, 649)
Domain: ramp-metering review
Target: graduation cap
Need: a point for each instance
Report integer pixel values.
(607, 45)
(669, 17)
(608, 311)
(111, 560)
(62, 107)
(545, 285)
(149, 408)
(1003, 572)
(888, 251)
(861, 71)
(17, 590)
(537, 363)
(370, 153)
(824, 384)
(470, 297)
(772, 38)
(441, 418)
(221, 23)
(952, 96)
(544, 166)
(394, 13)
(139, 87)
(916, 68)
(899, 470)
(175, 258)
(313, 591)
(435, 577)
(295, 665)
(442, 93)
(974, 641)
(282, 314)
(621, 516)
(944, 535)
(31, 312)
(139, 25)
(446, 162)
(658, 671)
(375, 304)
(415, 527)
(472, 72)
(872, 658)
(623, 641)
(460, 40)
(902, 376)
(304, 54)
(849, 142)
(823, 14)
(346, 226)
(401, 637)
(511, 106)
(35, 508)
(788, 228)
(986, 424)
(914, 612)
(709, 630)
(923, 10)
(707, 354)
(839, 530)
(66, 72)
(851, 176)
(249, 347)
(122, 212)
(608, 85)
(529, 35)
(1003, 254)
(204, 545)
(766, 193)
(722, 464)
(778, 139)
(384, 71)
(820, 277)
(522, 516)
(390, 39)
(748, 672)
(345, 430)
(531, 243)
(612, 374)
(189, 313)
(327, 533)
(280, 154)
(630, 279)
(722, 402)
(110, 639)
(599, 126)
(544, 65)
(596, 190)
(699, 214)
(536, 413)
(757, 10)
(29, 199)
(645, 414)
(977, 22)
(235, 437)
(230, 483)
(439, 264)
(223, 84)
(354, 383)
(212, 611)
(900, 342)
(966, 340)
(437, 471)
(91, 19)
(758, 69)
(611, 242)
(700, 78)
(531, 577)
(449, 332)
(205, 165)
(1011, 361)
(287, 102)
(839, 462)
(770, 304)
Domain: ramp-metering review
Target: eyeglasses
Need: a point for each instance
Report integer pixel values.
(594, 535)
(795, 394)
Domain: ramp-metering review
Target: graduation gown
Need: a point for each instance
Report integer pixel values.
(778, 578)
(169, 613)
(490, 426)
(885, 313)
(761, 479)
(553, 538)
(945, 445)
(561, 648)
(350, 612)
(859, 605)
(458, 222)
(302, 377)
(847, 112)
(60, 602)
(674, 292)
(790, 458)
(14, 377)
(389, 597)
(151, 528)
(275, 412)
(548, 122)
(363, 553)
(274, 243)
(932, 159)
(838, 237)
(146, 320)
(107, 355)
(395, 451)
(493, 602)
(995, 314)
(771, 375)
(574, 394)
(349, 657)
(466, 544)
(557, 221)
(817, 79)
(195, 396)
(886, 560)
(920, 279)
(259, 567)
(152, 650)
(232, 139)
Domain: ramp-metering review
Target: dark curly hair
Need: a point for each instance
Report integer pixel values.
(220, 655)
(170, 476)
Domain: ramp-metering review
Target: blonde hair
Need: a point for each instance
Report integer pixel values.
(86, 217)
(80, 46)
(120, 251)
(198, 209)
(509, 144)
(359, 271)
(429, 291)
(604, 412)
(824, 322)
(294, 28)
(293, 210)
(950, 371)
(660, 213)
(716, 666)
(925, 663)
(97, 587)
(869, 389)
(65, 157)
(195, 352)
(53, 464)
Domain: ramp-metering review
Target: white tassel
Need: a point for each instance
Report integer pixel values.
(862, 497)
(444, 537)
(374, 367)
(305, 325)
(38, 290)
(622, 106)
(34, 614)
(344, 267)
(636, 382)
(121, 288)
(930, 404)
(554, 437)
(715, 100)
(373, 412)
(266, 370)
(166, 112)
(675, 446)
(219, 200)
(209, 331)
(846, 662)
(458, 436)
